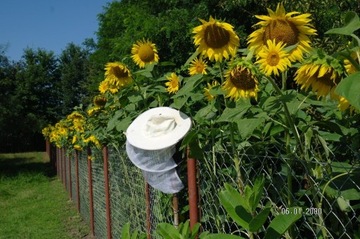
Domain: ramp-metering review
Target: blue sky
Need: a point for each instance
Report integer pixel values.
(47, 24)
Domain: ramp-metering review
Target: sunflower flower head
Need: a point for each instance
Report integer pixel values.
(207, 90)
(321, 73)
(344, 104)
(273, 58)
(290, 28)
(117, 76)
(215, 39)
(241, 81)
(144, 52)
(349, 65)
(173, 83)
(99, 101)
(197, 66)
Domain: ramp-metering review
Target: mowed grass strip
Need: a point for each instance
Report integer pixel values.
(33, 201)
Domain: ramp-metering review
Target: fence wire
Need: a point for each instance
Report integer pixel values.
(328, 191)
(127, 191)
(318, 187)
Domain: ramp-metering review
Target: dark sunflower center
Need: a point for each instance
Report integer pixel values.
(273, 59)
(282, 30)
(326, 80)
(146, 53)
(242, 79)
(100, 101)
(216, 37)
(119, 72)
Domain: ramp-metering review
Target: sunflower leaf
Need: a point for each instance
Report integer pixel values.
(349, 89)
(352, 23)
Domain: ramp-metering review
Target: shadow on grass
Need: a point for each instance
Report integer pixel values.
(12, 167)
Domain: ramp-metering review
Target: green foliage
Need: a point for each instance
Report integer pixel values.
(183, 231)
(349, 88)
(126, 234)
(242, 208)
(73, 70)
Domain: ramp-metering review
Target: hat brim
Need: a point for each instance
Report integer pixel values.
(135, 136)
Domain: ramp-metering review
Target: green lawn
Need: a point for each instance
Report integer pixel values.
(33, 201)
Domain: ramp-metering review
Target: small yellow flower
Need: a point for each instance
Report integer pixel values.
(144, 52)
(343, 104)
(349, 66)
(173, 83)
(207, 90)
(273, 59)
(92, 110)
(197, 66)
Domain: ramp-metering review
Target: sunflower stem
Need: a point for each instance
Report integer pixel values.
(237, 162)
(288, 117)
(142, 96)
(292, 127)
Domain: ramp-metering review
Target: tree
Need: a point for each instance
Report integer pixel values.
(73, 70)
(30, 100)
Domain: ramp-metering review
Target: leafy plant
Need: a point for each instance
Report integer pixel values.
(183, 231)
(126, 233)
(243, 209)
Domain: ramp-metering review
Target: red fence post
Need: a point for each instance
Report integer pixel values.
(47, 146)
(91, 194)
(66, 171)
(107, 190)
(77, 180)
(57, 162)
(192, 189)
(70, 179)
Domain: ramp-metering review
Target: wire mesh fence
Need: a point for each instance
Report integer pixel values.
(327, 191)
(322, 189)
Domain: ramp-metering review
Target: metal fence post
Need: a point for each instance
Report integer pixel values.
(57, 162)
(77, 180)
(63, 166)
(192, 189)
(70, 178)
(107, 191)
(91, 194)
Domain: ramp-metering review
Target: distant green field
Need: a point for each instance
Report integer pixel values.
(33, 202)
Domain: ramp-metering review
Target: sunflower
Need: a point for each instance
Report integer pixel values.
(197, 66)
(285, 27)
(104, 86)
(207, 90)
(215, 39)
(320, 72)
(117, 75)
(241, 81)
(99, 101)
(273, 58)
(344, 104)
(173, 83)
(349, 66)
(144, 52)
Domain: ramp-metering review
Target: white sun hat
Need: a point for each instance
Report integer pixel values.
(158, 128)
(151, 144)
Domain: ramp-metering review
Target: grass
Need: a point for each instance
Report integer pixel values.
(33, 201)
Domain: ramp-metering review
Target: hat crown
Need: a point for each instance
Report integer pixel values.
(159, 125)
